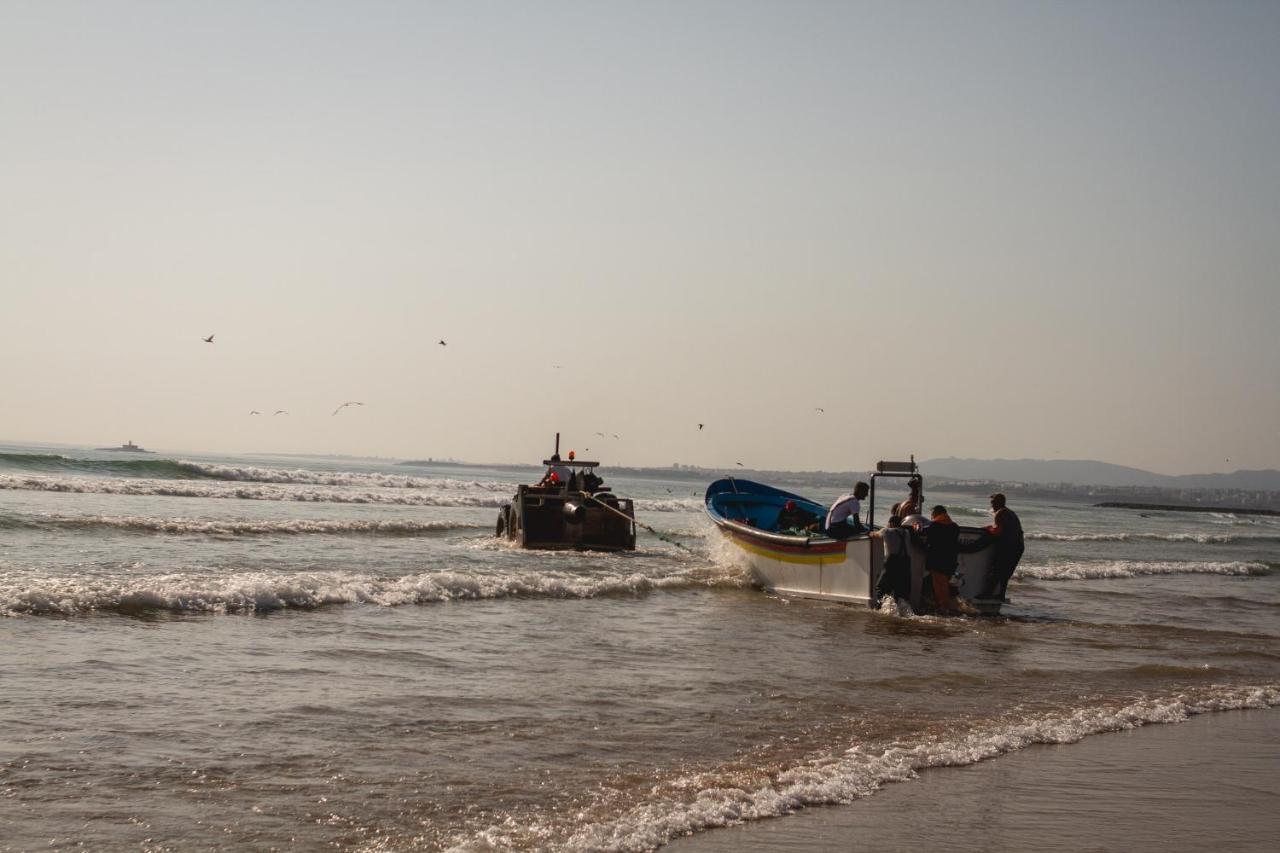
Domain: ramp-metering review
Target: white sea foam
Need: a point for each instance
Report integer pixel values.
(703, 801)
(250, 473)
(246, 592)
(249, 491)
(1244, 521)
(452, 493)
(669, 505)
(1093, 570)
(215, 527)
(1202, 538)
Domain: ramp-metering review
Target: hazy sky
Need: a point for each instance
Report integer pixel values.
(973, 229)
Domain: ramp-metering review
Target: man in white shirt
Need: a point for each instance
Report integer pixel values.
(557, 474)
(842, 519)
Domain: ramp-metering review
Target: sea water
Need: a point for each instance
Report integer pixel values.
(214, 653)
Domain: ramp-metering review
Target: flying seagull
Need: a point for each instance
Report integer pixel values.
(255, 412)
(600, 434)
(279, 412)
(344, 405)
(819, 409)
(739, 464)
(443, 344)
(208, 340)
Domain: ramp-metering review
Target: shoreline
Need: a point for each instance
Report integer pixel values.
(1207, 782)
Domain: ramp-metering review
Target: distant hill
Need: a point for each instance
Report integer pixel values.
(1090, 472)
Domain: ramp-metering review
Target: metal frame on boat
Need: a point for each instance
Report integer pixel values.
(814, 565)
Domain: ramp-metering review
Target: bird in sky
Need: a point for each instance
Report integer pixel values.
(344, 405)
(255, 412)
(739, 464)
(208, 340)
(558, 366)
(279, 412)
(600, 434)
(700, 426)
(615, 435)
(443, 344)
(819, 409)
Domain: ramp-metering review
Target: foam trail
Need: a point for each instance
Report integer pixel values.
(1135, 568)
(704, 801)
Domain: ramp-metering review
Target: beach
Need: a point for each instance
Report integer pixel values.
(304, 297)
(220, 653)
(1211, 782)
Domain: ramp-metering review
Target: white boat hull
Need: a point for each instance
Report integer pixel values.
(846, 571)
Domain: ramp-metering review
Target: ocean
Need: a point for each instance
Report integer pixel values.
(252, 653)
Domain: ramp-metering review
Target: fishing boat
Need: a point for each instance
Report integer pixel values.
(810, 564)
(569, 509)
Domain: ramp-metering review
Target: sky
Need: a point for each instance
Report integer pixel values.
(977, 229)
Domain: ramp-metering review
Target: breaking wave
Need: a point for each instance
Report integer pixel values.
(717, 798)
(450, 493)
(1094, 570)
(285, 527)
(52, 462)
(249, 491)
(1202, 538)
(181, 469)
(255, 592)
(669, 505)
(253, 474)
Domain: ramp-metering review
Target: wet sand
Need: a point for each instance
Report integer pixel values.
(1212, 782)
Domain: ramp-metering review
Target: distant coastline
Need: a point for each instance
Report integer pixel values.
(1181, 508)
(1187, 498)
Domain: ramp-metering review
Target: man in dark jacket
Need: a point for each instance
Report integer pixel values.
(942, 555)
(1007, 530)
(795, 518)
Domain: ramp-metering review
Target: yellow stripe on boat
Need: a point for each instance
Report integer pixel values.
(829, 559)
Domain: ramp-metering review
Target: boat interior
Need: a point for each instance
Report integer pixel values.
(763, 511)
